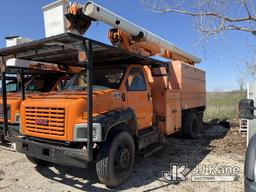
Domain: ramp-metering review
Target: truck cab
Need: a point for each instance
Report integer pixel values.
(34, 84)
(115, 90)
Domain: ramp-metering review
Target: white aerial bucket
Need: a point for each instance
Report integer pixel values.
(54, 18)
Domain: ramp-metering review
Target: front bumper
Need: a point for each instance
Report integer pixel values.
(51, 153)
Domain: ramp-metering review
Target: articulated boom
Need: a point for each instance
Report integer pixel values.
(137, 44)
(125, 34)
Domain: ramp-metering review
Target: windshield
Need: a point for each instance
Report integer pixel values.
(13, 86)
(103, 78)
(43, 83)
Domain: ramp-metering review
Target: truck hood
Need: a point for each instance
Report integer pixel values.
(65, 109)
(74, 94)
(103, 100)
(17, 95)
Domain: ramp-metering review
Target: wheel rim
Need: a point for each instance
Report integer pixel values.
(122, 158)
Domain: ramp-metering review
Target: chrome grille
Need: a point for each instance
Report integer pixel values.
(46, 121)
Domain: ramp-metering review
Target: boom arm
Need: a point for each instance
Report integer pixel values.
(137, 45)
(126, 34)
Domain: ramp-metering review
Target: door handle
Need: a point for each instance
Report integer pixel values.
(149, 96)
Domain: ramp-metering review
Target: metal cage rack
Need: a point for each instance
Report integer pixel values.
(64, 50)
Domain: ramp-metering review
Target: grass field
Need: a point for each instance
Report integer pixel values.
(223, 105)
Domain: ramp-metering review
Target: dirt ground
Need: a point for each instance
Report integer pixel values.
(217, 146)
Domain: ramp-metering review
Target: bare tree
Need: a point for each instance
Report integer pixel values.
(247, 65)
(212, 17)
(241, 81)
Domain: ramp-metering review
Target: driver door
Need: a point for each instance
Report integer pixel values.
(139, 97)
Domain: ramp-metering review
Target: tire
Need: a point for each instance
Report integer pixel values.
(190, 126)
(110, 169)
(200, 122)
(37, 161)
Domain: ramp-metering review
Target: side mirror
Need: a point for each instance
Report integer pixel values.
(246, 109)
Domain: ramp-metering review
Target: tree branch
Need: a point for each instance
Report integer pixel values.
(247, 9)
(234, 27)
(207, 14)
(212, 14)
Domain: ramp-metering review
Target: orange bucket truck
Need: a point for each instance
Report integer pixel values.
(123, 102)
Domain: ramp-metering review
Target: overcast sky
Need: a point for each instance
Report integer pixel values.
(220, 57)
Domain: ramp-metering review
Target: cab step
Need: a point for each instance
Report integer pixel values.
(148, 137)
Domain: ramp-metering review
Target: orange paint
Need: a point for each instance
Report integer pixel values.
(160, 103)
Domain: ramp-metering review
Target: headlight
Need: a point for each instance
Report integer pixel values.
(17, 118)
(81, 132)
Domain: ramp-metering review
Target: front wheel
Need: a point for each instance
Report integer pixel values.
(115, 159)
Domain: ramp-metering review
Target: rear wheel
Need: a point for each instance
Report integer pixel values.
(115, 159)
(190, 126)
(37, 161)
(200, 122)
